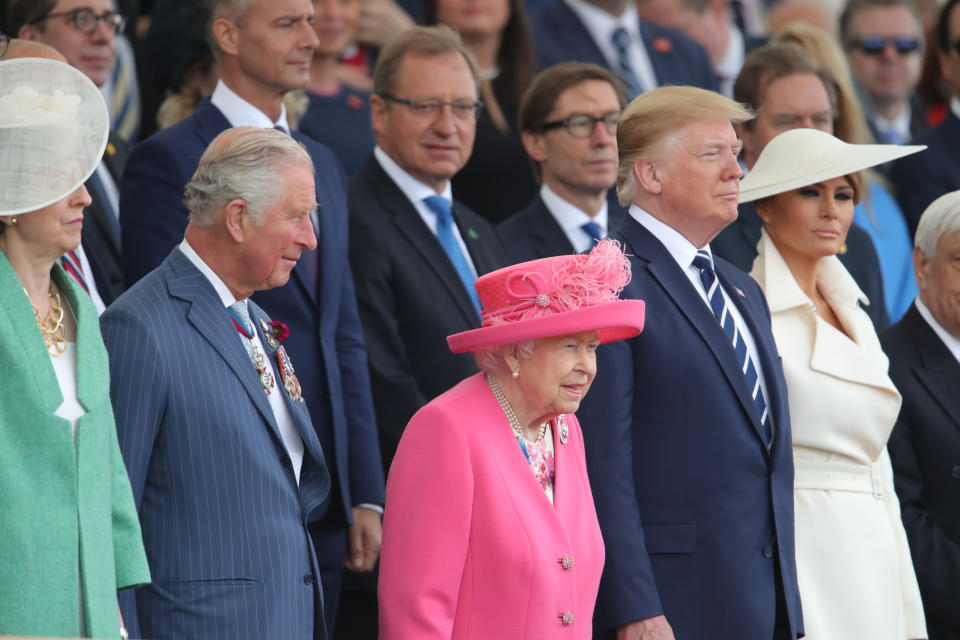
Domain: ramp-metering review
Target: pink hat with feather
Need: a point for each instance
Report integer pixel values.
(555, 297)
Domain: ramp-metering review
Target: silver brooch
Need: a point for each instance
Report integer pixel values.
(564, 431)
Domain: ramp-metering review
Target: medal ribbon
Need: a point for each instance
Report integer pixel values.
(263, 373)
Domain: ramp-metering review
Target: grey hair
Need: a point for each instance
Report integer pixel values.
(244, 163)
(233, 10)
(492, 358)
(941, 218)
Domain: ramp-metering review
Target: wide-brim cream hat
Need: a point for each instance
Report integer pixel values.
(53, 130)
(802, 157)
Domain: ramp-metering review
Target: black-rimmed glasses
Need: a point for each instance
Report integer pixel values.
(875, 45)
(4, 43)
(431, 107)
(582, 125)
(87, 21)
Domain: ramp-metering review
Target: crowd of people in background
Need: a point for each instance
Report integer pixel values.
(286, 282)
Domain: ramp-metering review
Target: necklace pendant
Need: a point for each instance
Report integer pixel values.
(564, 430)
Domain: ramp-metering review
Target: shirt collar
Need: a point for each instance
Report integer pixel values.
(729, 65)
(601, 24)
(948, 340)
(682, 250)
(570, 217)
(901, 123)
(415, 190)
(955, 106)
(222, 290)
(240, 113)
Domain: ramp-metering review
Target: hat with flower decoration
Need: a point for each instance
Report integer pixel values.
(555, 297)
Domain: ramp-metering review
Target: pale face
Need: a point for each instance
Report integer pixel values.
(431, 148)
(889, 76)
(50, 232)
(91, 53)
(809, 223)
(699, 179)
(791, 102)
(558, 374)
(270, 252)
(274, 44)
(939, 281)
(570, 165)
(335, 23)
(474, 18)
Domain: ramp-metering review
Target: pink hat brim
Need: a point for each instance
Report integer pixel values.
(612, 321)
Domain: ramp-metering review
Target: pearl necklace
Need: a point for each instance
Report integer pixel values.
(508, 410)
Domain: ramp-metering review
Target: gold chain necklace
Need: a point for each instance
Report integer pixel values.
(508, 410)
(51, 327)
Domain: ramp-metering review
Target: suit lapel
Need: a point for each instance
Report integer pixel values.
(576, 38)
(666, 271)
(940, 371)
(547, 233)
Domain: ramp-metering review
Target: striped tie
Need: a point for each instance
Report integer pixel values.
(708, 276)
(71, 264)
(621, 44)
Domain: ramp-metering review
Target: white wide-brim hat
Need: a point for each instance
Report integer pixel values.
(53, 130)
(802, 157)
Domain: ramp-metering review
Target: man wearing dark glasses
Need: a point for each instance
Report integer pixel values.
(884, 44)
(937, 170)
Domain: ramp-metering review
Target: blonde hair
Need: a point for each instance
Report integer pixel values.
(656, 114)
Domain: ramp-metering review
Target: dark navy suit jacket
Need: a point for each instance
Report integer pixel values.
(925, 451)
(559, 36)
(318, 303)
(924, 177)
(101, 242)
(695, 510)
(534, 233)
(224, 522)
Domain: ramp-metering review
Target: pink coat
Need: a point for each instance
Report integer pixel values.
(472, 547)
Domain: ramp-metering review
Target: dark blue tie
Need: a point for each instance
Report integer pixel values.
(719, 305)
(448, 241)
(592, 229)
(100, 195)
(621, 44)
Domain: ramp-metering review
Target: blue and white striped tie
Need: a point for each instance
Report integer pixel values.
(625, 71)
(718, 303)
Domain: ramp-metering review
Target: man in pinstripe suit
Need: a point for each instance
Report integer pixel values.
(226, 467)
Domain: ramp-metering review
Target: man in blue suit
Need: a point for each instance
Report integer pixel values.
(568, 120)
(688, 435)
(611, 34)
(226, 467)
(264, 48)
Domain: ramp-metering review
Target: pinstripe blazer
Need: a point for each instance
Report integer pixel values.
(224, 522)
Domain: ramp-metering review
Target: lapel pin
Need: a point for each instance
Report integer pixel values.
(473, 234)
(268, 334)
(111, 150)
(740, 292)
(564, 430)
(662, 45)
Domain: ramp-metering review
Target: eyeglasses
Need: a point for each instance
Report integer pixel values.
(875, 45)
(430, 107)
(4, 43)
(87, 21)
(582, 125)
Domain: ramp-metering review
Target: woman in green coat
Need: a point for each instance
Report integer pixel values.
(69, 534)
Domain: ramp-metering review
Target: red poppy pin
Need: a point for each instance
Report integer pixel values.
(279, 330)
(662, 45)
(354, 101)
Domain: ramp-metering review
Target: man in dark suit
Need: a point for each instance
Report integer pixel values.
(568, 121)
(688, 435)
(85, 33)
(924, 352)
(610, 34)
(226, 467)
(788, 90)
(414, 250)
(937, 170)
(264, 48)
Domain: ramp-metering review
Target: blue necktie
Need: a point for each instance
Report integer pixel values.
(592, 229)
(448, 241)
(719, 305)
(889, 136)
(100, 195)
(621, 44)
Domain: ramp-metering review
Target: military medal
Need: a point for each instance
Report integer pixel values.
(564, 431)
(268, 333)
(264, 374)
(287, 377)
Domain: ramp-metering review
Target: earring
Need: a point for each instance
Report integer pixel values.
(765, 219)
(516, 373)
(13, 220)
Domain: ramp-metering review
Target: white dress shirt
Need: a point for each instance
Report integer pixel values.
(571, 219)
(288, 430)
(601, 25)
(948, 340)
(900, 124)
(684, 251)
(728, 67)
(416, 192)
(240, 113)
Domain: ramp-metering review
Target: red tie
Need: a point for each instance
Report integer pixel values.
(71, 264)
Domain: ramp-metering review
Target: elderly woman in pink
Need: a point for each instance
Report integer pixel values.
(489, 528)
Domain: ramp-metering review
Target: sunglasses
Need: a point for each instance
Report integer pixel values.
(875, 45)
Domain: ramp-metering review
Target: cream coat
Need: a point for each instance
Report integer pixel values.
(853, 563)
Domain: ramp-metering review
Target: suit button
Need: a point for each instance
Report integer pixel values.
(768, 551)
(308, 579)
(566, 618)
(284, 460)
(566, 562)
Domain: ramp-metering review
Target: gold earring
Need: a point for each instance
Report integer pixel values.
(13, 220)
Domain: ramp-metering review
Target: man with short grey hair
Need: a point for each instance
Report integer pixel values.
(924, 352)
(226, 467)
